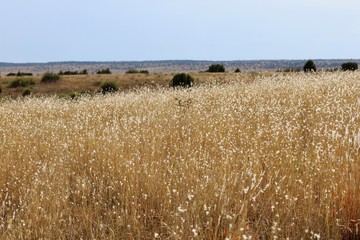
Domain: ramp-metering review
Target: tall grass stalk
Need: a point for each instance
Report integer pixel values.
(275, 158)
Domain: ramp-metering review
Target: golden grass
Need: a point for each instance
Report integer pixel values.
(276, 157)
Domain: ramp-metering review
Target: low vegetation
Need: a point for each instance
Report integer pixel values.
(19, 74)
(21, 82)
(216, 68)
(109, 87)
(27, 92)
(276, 157)
(50, 77)
(74, 95)
(104, 71)
(83, 72)
(182, 80)
(309, 66)
(90, 83)
(349, 66)
(135, 71)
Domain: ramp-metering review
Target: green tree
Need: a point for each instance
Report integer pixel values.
(104, 71)
(216, 68)
(109, 87)
(84, 72)
(349, 66)
(310, 66)
(182, 80)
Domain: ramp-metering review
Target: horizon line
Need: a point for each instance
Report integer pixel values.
(173, 60)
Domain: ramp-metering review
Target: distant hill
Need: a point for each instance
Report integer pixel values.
(169, 66)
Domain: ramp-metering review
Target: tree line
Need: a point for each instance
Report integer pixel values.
(348, 66)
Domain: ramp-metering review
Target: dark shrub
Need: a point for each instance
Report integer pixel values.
(20, 74)
(83, 72)
(21, 82)
(68, 73)
(216, 68)
(104, 71)
(109, 87)
(310, 66)
(50, 77)
(182, 80)
(73, 95)
(349, 66)
(27, 92)
(132, 71)
(237, 70)
(0, 89)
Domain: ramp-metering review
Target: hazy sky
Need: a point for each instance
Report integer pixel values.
(120, 30)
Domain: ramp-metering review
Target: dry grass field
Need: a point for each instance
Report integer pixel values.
(84, 83)
(91, 83)
(270, 156)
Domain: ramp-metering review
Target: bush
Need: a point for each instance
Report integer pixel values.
(21, 82)
(0, 89)
(349, 66)
(71, 95)
(216, 68)
(27, 92)
(134, 71)
(309, 66)
(109, 87)
(74, 95)
(104, 71)
(182, 80)
(237, 70)
(19, 74)
(50, 77)
(83, 72)
(68, 73)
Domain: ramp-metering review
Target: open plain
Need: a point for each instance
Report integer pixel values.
(239, 156)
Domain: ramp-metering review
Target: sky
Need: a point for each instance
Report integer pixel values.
(138, 30)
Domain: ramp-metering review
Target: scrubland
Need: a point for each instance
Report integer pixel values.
(277, 157)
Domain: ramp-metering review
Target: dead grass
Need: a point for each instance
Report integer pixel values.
(90, 83)
(274, 157)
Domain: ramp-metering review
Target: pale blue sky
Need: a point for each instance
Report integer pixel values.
(110, 30)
